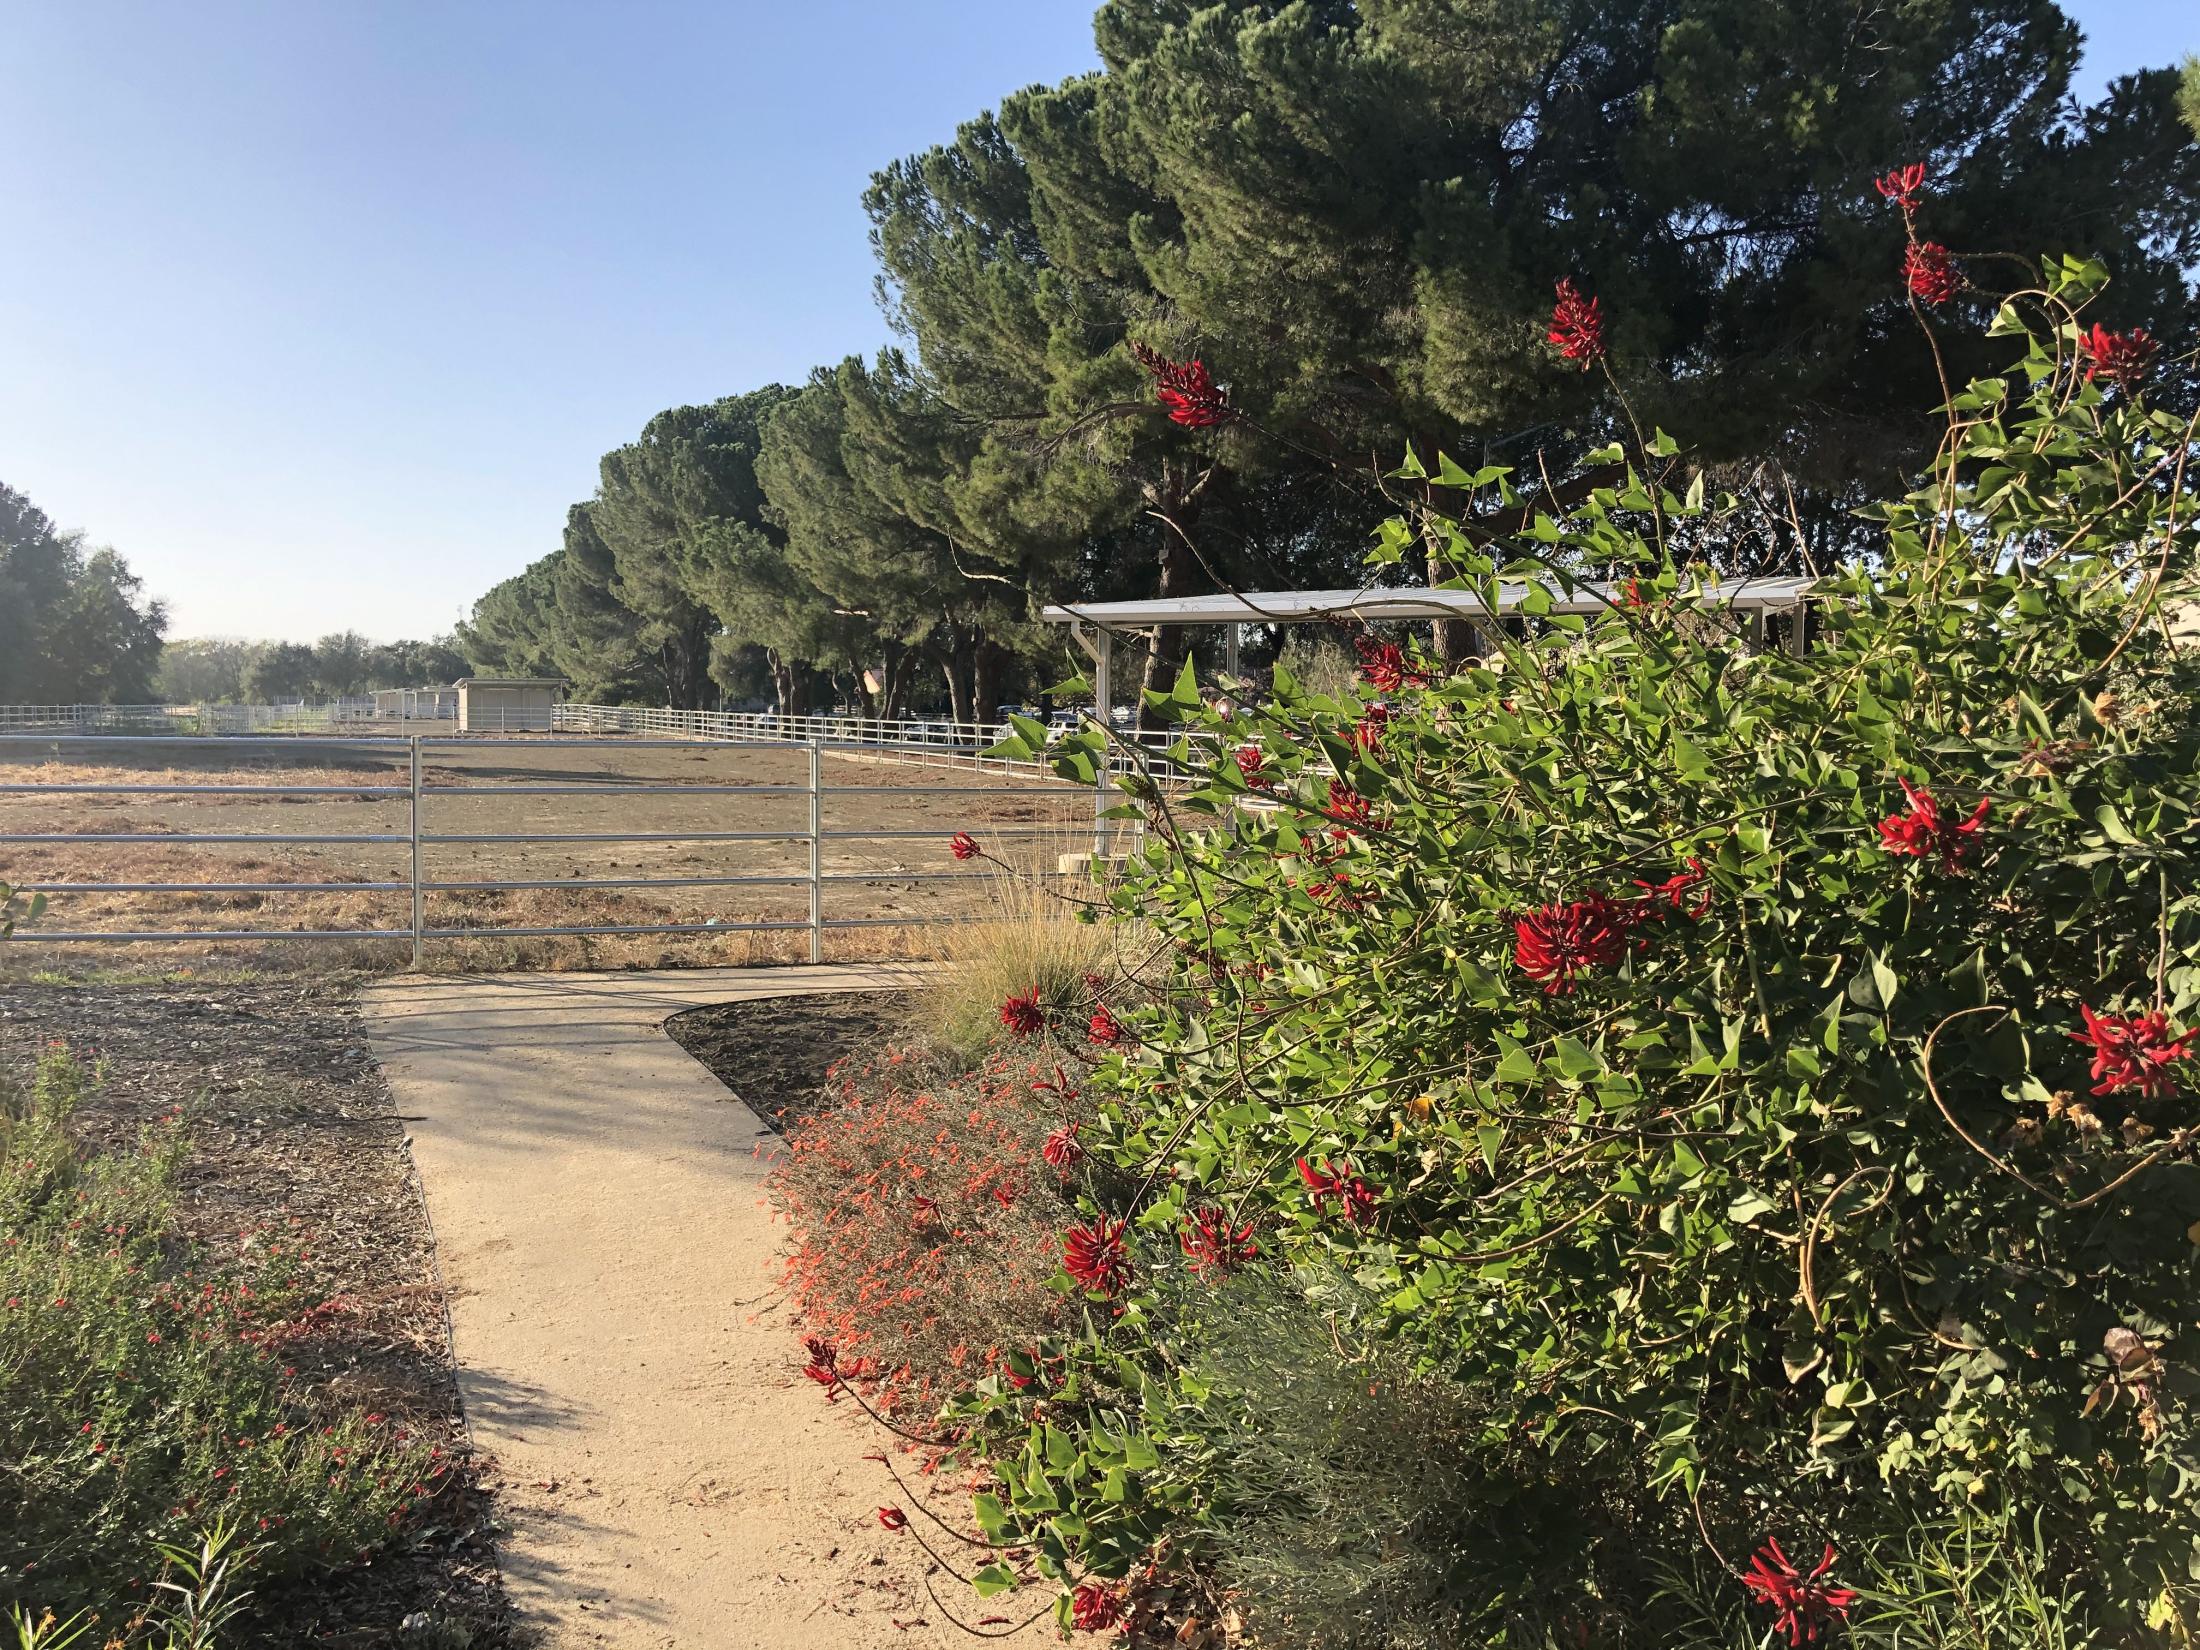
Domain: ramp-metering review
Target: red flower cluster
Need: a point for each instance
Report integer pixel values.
(893, 1518)
(1063, 1150)
(2133, 1052)
(1924, 832)
(822, 1367)
(1384, 667)
(1253, 767)
(1094, 1608)
(1105, 1027)
(1214, 1245)
(1930, 269)
(1367, 732)
(1097, 1257)
(1669, 898)
(1577, 325)
(1192, 397)
(1022, 1013)
(2118, 357)
(1804, 1603)
(1902, 185)
(1356, 1199)
(963, 845)
(1554, 943)
(1350, 810)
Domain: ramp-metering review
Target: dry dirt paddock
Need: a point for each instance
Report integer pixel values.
(474, 787)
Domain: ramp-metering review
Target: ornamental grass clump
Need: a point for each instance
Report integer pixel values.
(144, 1393)
(1757, 1078)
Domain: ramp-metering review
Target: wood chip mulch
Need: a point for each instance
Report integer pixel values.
(293, 1130)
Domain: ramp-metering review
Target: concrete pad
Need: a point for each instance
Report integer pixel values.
(668, 1476)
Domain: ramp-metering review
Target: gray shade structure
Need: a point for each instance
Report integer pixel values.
(507, 704)
(1096, 625)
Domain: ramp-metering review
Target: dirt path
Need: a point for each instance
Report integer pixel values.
(668, 1478)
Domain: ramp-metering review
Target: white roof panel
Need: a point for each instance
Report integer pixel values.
(1304, 606)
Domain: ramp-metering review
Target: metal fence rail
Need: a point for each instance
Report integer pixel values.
(419, 836)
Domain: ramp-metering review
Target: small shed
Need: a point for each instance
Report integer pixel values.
(507, 704)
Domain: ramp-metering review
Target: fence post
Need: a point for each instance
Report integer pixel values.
(419, 903)
(817, 851)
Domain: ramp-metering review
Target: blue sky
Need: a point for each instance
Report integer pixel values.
(322, 311)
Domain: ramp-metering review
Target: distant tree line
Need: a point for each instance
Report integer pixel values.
(1352, 213)
(226, 671)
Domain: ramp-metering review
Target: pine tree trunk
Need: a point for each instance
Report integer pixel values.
(1179, 571)
(961, 669)
(989, 668)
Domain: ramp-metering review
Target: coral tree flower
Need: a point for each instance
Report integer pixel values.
(1922, 831)
(1094, 1608)
(1105, 1029)
(1252, 766)
(1930, 270)
(1022, 1013)
(1902, 185)
(963, 845)
(1356, 1199)
(893, 1518)
(1384, 667)
(1185, 389)
(2133, 1053)
(2116, 357)
(1063, 1150)
(1097, 1257)
(1577, 325)
(1214, 1246)
(1803, 1603)
(1348, 810)
(1555, 944)
(1670, 898)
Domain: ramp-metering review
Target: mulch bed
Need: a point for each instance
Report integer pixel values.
(773, 1053)
(292, 1126)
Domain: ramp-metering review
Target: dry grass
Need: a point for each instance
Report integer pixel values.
(1029, 940)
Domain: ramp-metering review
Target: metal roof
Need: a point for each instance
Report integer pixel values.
(1305, 606)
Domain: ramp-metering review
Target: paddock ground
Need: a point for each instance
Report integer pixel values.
(874, 878)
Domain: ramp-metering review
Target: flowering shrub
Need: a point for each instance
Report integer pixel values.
(926, 1209)
(143, 1391)
(1760, 1197)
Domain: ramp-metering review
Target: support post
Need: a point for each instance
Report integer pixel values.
(413, 831)
(1230, 651)
(1103, 693)
(1799, 637)
(817, 851)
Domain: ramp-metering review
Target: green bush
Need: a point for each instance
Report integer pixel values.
(143, 1392)
(1670, 1039)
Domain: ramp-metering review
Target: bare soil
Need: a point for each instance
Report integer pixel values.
(874, 877)
(292, 1127)
(773, 1054)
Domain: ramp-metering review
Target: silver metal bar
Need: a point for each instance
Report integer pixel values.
(817, 853)
(936, 835)
(203, 790)
(603, 882)
(618, 928)
(170, 934)
(902, 922)
(226, 836)
(412, 819)
(609, 789)
(207, 888)
(1037, 783)
(546, 836)
(319, 741)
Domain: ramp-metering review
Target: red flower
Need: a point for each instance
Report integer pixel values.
(821, 1367)
(1804, 1603)
(1669, 898)
(1351, 810)
(1554, 943)
(1105, 1027)
(1930, 268)
(1022, 1014)
(1252, 766)
(893, 1518)
(1192, 398)
(1632, 593)
(1214, 1245)
(1577, 326)
(1096, 1257)
(1367, 732)
(1925, 832)
(2119, 357)
(2133, 1051)
(1062, 1150)
(1094, 1608)
(1384, 668)
(1902, 184)
(1356, 1199)
(963, 845)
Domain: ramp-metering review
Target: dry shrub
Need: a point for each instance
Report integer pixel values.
(926, 1218)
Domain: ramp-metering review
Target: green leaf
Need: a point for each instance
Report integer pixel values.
(994, 1578)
